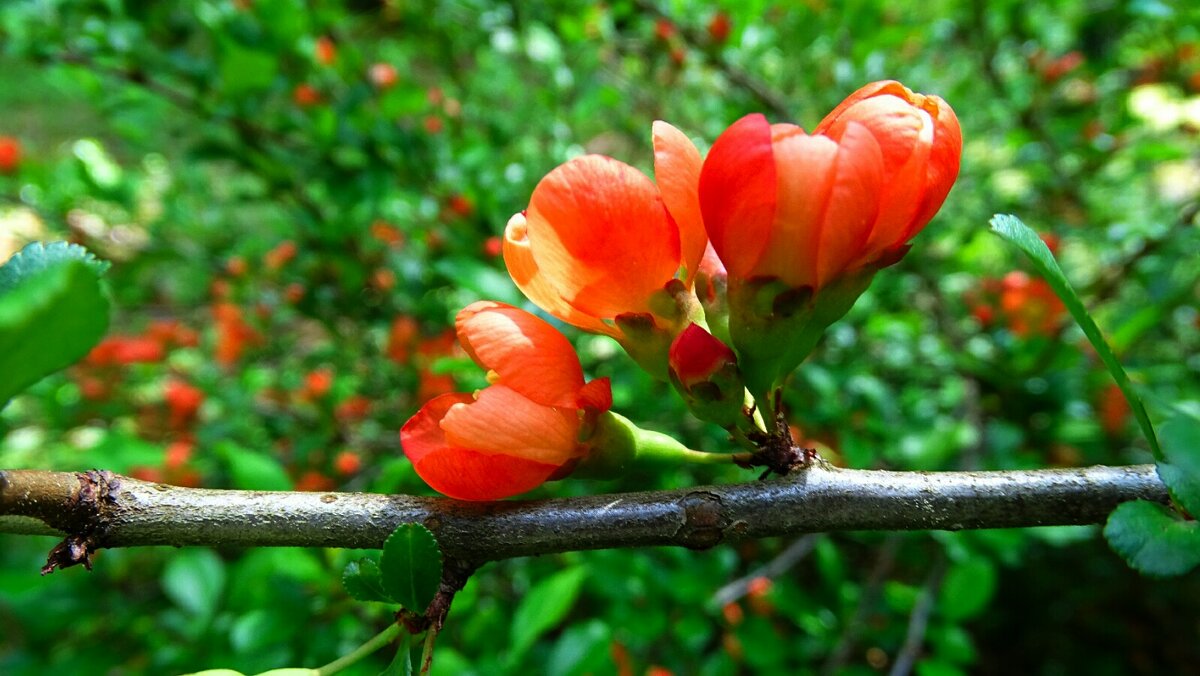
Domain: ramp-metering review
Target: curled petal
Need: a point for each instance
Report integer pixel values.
(677, 165)
(853, 204)
(596, 396)
(529, 355)
(601, 236)
(525, 273)
(502, 422)
(944, 158)
(737, 193)
(461, 472)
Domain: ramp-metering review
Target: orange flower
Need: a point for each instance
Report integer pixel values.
(806, 209)
(522, 430)
(382, 75)
(325, 50)
(600, 239)
(10, 154)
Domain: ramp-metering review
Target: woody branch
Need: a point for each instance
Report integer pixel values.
(101, 510)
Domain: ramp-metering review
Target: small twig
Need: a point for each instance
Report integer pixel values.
(918, 620)
(870, 595)
(777, 566)
(765, 95)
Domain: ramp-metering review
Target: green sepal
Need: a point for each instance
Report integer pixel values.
(618, 447)
(720, 399)
(647, 336)
(774, 327)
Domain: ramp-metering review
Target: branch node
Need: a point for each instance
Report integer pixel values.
(97, 490)
(704, 520)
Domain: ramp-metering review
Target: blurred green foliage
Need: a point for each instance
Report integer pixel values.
(298, 196)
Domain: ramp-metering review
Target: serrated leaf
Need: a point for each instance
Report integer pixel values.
(38, 257)
(546, 604)
(48, 320)
(1011, 229)
(364, 582)
(411, 566)
(1180, 469)
(1153, 539)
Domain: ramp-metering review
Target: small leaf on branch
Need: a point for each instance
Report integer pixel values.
(1180, 468)
(1153, 539)
(1011, 229)
(52, 312)
(411, 566)
(364, 582)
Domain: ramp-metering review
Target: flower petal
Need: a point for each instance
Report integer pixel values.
(738, 193)
(805, 167)
(853, 203)
(528, 354)
(525, 273)
(464, 474)
(677, 165)
(601, 236)
(422, 434)
(944, 158)
(501, 421)
(596, 396)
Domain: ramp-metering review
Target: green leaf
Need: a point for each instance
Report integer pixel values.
(1011, 229)
(244, 70)
(411, 566)
(254, 471)
(967, 588)
(52, 312)
(38, 257)
(1153, 539)
(1180, 468)
(194, 580)
(546, 604)
(364, 582)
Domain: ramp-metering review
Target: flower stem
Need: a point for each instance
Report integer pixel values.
(375, 643)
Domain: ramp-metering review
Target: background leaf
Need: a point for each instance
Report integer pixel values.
(37, 257)
(546, 604)
(51, 315)
(1011, 229)
(1180, 470)
(1153, 539)
(194, 580)
(411, 566)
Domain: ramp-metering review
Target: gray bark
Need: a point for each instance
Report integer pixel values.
(101, 510)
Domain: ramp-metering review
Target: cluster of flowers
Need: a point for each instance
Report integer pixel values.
(719, 278)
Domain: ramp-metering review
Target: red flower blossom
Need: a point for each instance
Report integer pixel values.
(522, 430)
(600, 239)
(382, 75)
(778, 202)
(325, 50)
(10, 154)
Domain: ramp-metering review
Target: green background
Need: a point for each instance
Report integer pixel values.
(168, 138)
